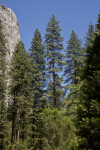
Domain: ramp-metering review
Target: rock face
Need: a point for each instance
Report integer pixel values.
(11, 31)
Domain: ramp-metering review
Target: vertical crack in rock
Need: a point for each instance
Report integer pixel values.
(10, 29)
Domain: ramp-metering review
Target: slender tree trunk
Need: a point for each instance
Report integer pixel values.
(34, 120)
(54, 89)
(75, 72)
(13, 136)
(14, 115)
(18, 132)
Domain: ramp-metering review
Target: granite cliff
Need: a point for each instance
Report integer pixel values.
(11, 31)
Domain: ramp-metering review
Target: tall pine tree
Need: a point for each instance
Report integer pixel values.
(38, 67)
(55, 56)
(89, 97)
(59, 93)
(73, 59)
(20, 93)
(3, 112)
(72, 71)
(37, 85)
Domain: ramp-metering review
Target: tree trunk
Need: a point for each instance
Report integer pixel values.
(14, 115)
(54, 89)
(13, 136)
(18, 132)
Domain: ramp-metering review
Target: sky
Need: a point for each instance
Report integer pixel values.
(73, 15)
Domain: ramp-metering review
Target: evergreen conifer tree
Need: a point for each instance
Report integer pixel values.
(72, 72)
(59, 93)
(89, 35)
(89, 97)
(3, 112)
(73, 59)
(20, 93)
(38, 68)
(55, 56)
(37, 86)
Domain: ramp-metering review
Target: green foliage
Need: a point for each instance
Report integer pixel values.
(20, 92)
(17, 146)
(58, 131)
(89, 97)
(38, 68)
(72, 72)
(89, 35)
(2, 67)
(74, 56)
(59, 93)
(3, 111)
(37, 87)
(26, 123)
(54, 56)
(97, 26)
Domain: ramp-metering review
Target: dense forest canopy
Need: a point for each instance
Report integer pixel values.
(47, 111)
